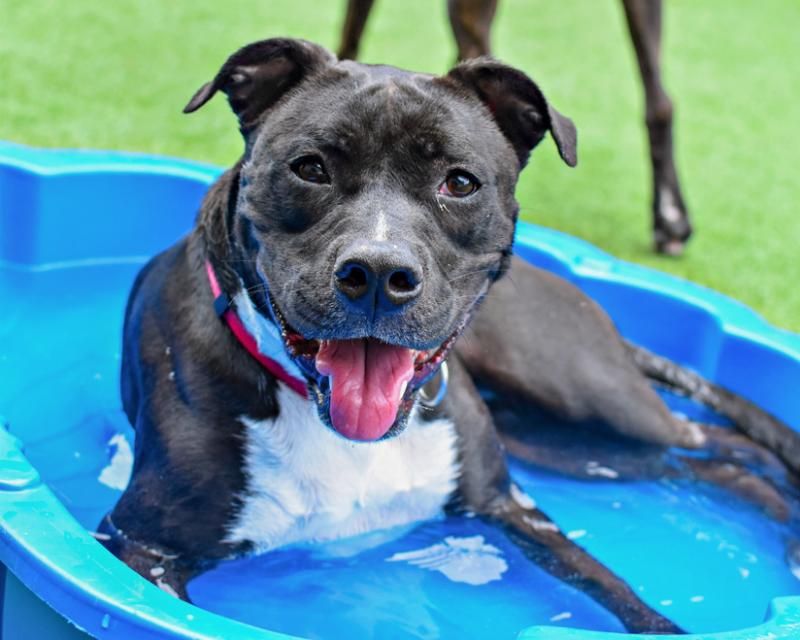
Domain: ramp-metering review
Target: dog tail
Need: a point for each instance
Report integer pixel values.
(753, 421)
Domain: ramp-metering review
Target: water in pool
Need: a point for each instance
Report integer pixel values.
(698, 555)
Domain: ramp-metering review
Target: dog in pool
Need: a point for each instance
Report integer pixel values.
(307, 363)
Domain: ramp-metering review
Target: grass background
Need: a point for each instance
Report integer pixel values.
(115, 74)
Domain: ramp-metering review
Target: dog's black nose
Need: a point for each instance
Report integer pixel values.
(378, 277)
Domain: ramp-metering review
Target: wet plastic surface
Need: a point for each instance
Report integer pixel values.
(75, 227)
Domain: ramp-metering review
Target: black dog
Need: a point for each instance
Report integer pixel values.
(283, 364)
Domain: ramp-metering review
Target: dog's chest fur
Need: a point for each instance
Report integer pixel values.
(306, 483)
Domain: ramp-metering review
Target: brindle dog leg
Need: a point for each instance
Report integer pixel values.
(471, 21)
(485, 489)
(671, 226)
(751, 475)
(748, 470)
(735, 464)
(742, 483)
(756, 423)
(354, 21)
(729, 445)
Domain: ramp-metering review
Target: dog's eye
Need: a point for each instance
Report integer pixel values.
(459, 184)
(310, 169)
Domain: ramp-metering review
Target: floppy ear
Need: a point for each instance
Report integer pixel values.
(257, 75)
(518, 106)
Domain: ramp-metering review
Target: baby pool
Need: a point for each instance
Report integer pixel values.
(74, 229)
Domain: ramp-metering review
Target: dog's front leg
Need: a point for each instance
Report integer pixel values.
(486, 489)
(168, 571)
(543, 542)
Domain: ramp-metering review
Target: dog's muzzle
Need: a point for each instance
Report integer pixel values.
(364, 388)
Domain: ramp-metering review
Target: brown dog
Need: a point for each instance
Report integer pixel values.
(471, 21)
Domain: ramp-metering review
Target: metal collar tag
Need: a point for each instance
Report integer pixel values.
(431, 400)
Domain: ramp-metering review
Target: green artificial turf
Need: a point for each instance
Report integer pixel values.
(116, 74)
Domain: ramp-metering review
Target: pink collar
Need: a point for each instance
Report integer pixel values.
(225, 309)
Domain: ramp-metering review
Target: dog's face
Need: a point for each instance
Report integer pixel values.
(380, 206)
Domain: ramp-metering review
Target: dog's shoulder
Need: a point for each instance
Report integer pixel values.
(306, 483)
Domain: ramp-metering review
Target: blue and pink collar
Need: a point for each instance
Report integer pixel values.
(263, 341)
(261, 338)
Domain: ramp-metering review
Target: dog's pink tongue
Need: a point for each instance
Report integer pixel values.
(367, 381)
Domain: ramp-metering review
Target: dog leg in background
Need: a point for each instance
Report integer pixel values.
(485, 489)
(353, 28)
(671, 226)
(471, 21)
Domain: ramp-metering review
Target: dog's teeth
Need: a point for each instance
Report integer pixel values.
(402, 391)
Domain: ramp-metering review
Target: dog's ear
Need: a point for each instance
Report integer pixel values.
(518, 106)
(257, 75)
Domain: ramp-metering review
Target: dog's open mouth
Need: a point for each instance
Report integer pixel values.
(364, 387)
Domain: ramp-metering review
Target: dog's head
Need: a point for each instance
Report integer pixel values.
(377, 207)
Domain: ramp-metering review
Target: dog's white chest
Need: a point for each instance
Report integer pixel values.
(306, 483)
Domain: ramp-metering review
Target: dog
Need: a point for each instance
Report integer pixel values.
(471, 22)
(307, 363)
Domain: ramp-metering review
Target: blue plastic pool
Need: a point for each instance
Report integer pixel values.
(74, 229)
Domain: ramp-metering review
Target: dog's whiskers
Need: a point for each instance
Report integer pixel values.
(483, 270)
